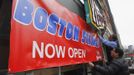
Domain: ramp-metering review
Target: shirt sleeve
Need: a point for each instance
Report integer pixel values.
(111, 69)
(112, 44)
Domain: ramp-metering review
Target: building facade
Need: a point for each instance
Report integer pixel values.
(100, 17)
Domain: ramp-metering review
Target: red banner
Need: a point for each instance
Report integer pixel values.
(45, 34)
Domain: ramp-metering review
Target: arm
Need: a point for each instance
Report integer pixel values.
(107, 70)
(112, 44)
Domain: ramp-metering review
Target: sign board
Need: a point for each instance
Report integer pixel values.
(94, 14)
(45, 34)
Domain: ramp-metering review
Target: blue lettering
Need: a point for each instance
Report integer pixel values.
(94, 43)
(84, 37)
(76, 33)
(52, 25)
(97, 43)
(69, 31)
(40, 19)
(62, 27)
(23, 12)
(89, 40)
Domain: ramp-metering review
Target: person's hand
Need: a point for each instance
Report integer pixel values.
(91, 64)
(104, 60)
(102, 31)
(98, 31)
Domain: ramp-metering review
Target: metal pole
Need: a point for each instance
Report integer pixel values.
(60, 71)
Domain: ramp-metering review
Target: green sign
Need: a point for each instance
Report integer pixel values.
(94, 13)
